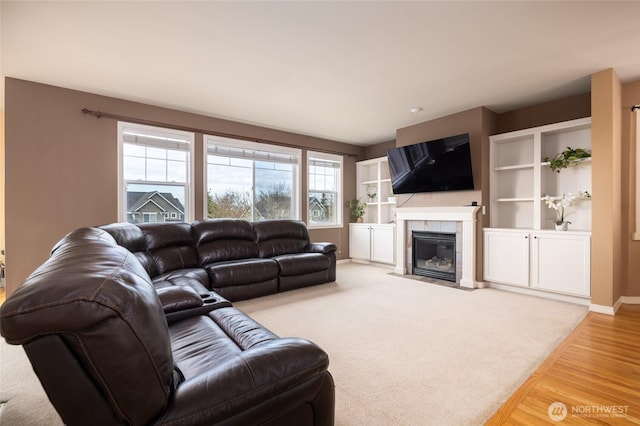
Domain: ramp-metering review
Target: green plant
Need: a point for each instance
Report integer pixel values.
(357, 208)
(568, 157)
(372, 190)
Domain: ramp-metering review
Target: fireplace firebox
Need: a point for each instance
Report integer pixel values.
(434, 255)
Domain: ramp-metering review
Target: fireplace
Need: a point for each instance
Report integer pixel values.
(466, 229)
(434, 255)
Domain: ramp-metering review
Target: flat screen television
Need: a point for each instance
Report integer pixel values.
(438, 165)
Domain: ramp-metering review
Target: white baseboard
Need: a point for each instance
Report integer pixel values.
(630, 300)
(602, 309)
(611, 310)
(539, 293)
(368, 262)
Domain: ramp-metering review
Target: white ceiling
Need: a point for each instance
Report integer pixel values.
(345, 71)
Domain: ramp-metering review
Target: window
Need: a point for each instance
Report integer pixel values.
(154, 174)
(252, 181)
(149, 217)
(325, 189)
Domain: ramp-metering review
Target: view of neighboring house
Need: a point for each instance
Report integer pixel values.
(153, 206)
(317, 210)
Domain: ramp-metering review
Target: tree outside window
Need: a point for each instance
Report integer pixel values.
(251, 181)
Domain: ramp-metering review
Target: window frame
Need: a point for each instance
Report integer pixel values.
(209, 139)
(189, 137)
(323, 156)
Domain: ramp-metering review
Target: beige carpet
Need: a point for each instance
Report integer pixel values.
(406, 352)
(402, 351)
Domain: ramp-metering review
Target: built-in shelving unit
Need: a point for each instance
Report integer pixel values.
(373, 177)
(374, 240)
(520, 177)
(522, 248)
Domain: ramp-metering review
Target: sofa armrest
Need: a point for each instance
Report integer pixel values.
(180, 302)
(246, 380)
(178, 298)
(323, 248)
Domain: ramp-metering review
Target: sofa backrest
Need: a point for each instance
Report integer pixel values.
(276, 237)
(170, 245)
(218, 240)
(131, 237)
(102, 328)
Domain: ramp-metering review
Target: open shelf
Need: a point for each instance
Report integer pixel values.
(519, 177)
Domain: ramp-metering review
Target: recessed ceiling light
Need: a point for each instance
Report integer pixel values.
(415, 110)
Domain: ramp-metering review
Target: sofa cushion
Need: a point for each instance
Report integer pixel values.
(195, 278)
(239, 272)
(170, 245)
(126, 235)
(219, 240)
(276, 237)
(203, 342)
(302, 263)
(131, 237)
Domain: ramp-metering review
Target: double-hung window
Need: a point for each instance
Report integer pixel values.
(155, 174)
(324, 189)
(252, 181)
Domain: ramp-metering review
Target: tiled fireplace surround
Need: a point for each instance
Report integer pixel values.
(461, 220)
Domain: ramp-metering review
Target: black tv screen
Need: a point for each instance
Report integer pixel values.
(438, 165)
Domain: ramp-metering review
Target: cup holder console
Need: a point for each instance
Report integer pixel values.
(210, 302)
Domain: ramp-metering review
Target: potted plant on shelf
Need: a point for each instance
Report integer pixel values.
(567, 158)
(371, 192)
(559, 205)
(357, 208)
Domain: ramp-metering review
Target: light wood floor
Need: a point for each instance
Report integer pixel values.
(595, 373)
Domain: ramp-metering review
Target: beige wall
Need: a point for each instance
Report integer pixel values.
(606, 254)
(630, 177)
(61, 166)
(378, 150)
(569, 108)
(2, 185)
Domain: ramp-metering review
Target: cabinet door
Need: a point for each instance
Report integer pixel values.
(506, 257)
(561, 262)
(383, 243)
(359, 241)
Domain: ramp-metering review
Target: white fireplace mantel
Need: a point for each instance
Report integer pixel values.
(465, 214)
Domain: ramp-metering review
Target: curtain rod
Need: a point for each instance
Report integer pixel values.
(100, 114)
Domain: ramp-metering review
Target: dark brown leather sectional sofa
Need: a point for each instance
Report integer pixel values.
(235, 258)
(128, 324)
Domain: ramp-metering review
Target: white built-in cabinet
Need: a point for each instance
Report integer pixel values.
(522, 247)
(374, 240)
(543, 260)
